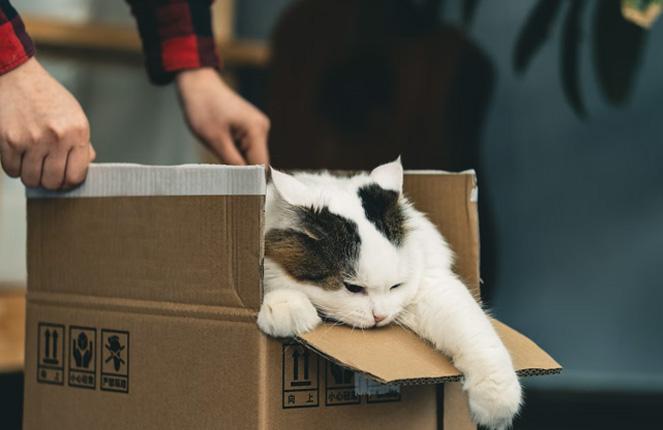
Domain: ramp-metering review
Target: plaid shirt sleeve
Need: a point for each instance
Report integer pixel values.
(15, 45)
(176, 34)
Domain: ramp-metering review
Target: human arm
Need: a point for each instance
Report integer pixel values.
(44, 133)
(179, 46)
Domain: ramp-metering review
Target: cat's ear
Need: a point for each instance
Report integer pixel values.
(389, 176)
(289, 188)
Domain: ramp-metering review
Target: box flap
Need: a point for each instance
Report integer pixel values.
(450, 202)
(396, 355)
(188, 234)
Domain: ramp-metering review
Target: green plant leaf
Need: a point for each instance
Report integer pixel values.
(617, 51)
(570, 57)
(534, 32)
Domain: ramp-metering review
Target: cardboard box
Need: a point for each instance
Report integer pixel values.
(143, 287)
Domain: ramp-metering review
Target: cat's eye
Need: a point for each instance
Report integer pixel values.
(393, 287)
(354, 288)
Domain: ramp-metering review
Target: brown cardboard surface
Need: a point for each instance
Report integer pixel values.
(411, 359)
(455, 399)
(447, 199)
(197, 368)
(184, 249)
(414, 408)
(177, 279)
(183, 372)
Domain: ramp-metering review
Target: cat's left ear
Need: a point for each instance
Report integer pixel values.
(289, 188)
(389, 176)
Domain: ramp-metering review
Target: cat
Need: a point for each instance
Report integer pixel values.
(355, 250)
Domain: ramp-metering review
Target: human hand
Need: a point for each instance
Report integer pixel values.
(235, 130)
(44, 133)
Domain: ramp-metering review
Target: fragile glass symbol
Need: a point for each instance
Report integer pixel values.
(341, 375)
(82, 350)
(115, 350)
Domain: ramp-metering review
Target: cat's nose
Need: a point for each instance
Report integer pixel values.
(378, 317)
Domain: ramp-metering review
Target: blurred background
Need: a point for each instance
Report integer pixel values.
(556, 104)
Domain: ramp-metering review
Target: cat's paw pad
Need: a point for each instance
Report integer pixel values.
(495, 399)
(286, 314)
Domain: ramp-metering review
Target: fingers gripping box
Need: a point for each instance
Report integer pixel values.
(143, 289)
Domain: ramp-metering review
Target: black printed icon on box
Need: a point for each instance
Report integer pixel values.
(82, 357)
(50, 353)
(340, 386)
(115, 360)
(300, 377)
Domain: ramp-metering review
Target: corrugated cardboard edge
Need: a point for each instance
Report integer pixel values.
(121, 179)
(529, 359)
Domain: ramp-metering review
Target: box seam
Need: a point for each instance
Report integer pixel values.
(144, 307)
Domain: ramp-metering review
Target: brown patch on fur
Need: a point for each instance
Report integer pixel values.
(322, 253)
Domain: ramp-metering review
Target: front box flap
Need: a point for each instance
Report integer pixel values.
(396, 355)
(188, 234)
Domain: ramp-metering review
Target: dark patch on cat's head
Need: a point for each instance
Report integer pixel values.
(321, 250)
(382, 208)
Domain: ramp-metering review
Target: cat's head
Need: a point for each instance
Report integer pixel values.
(342, 241)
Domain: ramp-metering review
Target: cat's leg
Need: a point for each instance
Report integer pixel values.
(446, 314)
(286, 313)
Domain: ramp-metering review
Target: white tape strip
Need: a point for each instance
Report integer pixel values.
(116, 180)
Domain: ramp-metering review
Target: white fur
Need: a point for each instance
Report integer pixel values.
(430, 300)
(389, 176)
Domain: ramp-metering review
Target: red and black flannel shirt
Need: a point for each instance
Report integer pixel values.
(176, 34)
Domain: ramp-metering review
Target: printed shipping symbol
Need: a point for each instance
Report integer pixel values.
(115, 360)
(340, 386)
(82, 348)
(300, 376)
(305, 381)
(51, 353)
(82, 361)
(342, 375)
(115, 349)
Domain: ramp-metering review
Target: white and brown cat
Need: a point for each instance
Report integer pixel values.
(356, 251)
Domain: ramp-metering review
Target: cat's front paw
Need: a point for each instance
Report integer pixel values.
(286, 313)
(495, 399)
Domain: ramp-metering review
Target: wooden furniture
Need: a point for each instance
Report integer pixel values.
(12, 327)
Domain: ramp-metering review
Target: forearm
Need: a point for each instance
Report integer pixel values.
(176, 35)
(16, 47)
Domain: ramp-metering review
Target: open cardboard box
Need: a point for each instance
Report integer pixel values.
(143, 288)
